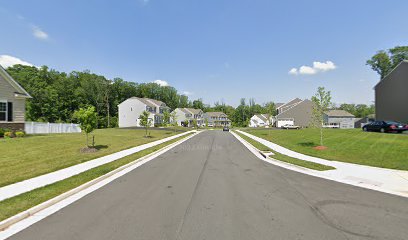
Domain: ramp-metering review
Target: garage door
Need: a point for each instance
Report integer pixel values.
(282, 122)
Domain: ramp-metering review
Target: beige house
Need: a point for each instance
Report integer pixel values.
(217, 119)
(186, 116)
(12, 102)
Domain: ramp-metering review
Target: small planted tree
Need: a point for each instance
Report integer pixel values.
(88, 120)
(321, 104)
(166, 118)
(145, 121)
(194, 123)
(173, 118)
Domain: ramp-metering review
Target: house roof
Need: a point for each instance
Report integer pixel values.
(291, 102)
(263, 117)
(296, 106)
(277, 105)
(191, 110)
(339, 113)
(215, 114)
(20, 91)
(149, 102)
(156, 102)
(403, 63)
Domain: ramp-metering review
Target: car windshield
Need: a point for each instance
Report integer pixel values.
(393, 123)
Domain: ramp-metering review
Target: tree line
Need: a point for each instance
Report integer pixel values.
(57, 95)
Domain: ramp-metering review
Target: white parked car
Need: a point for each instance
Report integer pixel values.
(290, 126)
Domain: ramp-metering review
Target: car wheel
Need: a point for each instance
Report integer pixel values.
(382, 130)
(365, 129)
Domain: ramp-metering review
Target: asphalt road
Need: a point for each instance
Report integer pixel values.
(212, 187)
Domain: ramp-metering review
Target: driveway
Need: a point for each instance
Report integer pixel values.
(212, 187)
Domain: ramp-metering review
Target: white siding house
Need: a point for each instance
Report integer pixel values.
(131, 109)
(260, 120)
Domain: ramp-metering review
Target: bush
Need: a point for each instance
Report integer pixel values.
(9, 135)
(20, 134)
(2, 131)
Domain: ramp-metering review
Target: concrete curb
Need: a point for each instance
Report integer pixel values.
(273, 161)
(325, 174)
(30, 212)
(61, 174)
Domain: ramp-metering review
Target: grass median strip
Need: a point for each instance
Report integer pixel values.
(385, 150)
(35, 155)
(285, 158)
(22, 202)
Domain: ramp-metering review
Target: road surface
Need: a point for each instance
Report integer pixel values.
(212, 187)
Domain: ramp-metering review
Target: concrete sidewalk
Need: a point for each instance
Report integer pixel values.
(379, 179)
(49, 178)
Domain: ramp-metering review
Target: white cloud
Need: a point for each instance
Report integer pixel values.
(38, 33)
(316, 68)
(293, 71)
(187, 93)
(161, 82)
(327, 66)
(8, 61)
(306, 70)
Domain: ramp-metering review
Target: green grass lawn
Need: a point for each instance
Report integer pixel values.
(22, 202)
(285, 158)
(345, 145)
(34, 155)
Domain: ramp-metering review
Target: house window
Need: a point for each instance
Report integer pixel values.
(3, 111)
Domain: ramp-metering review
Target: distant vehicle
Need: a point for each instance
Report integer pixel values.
(385, 126)
(210, 125)
(225, 129)
(290, 126)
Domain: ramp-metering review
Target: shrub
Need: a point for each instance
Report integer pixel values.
(2, 132)
(8, 135)
(20, 134)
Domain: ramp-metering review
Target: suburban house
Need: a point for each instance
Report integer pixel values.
(217, 119)
(391, 97)
(339, 119)
(131, 109)
(261, 120)
(282, 107)
(186, 116)
(360, 122)
(296, 112)
(12, 102)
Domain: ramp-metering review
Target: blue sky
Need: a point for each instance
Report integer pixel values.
(218, 50)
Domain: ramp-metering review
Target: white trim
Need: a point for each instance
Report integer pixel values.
(13, 83)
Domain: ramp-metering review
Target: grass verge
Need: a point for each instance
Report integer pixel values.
(35, 155)
(385, 150)
(22, 202)
(285, 158)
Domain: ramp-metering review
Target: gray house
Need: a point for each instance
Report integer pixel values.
(12, 102)
(296, 112)
(339, 119)
(391, 96)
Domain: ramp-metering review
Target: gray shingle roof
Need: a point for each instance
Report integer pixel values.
(339, 113)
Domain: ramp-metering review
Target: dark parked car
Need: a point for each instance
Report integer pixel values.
(225, 129)
(385, 126)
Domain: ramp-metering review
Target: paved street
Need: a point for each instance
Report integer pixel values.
(212, 187)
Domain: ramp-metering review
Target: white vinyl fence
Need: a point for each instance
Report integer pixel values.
(41, 128)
